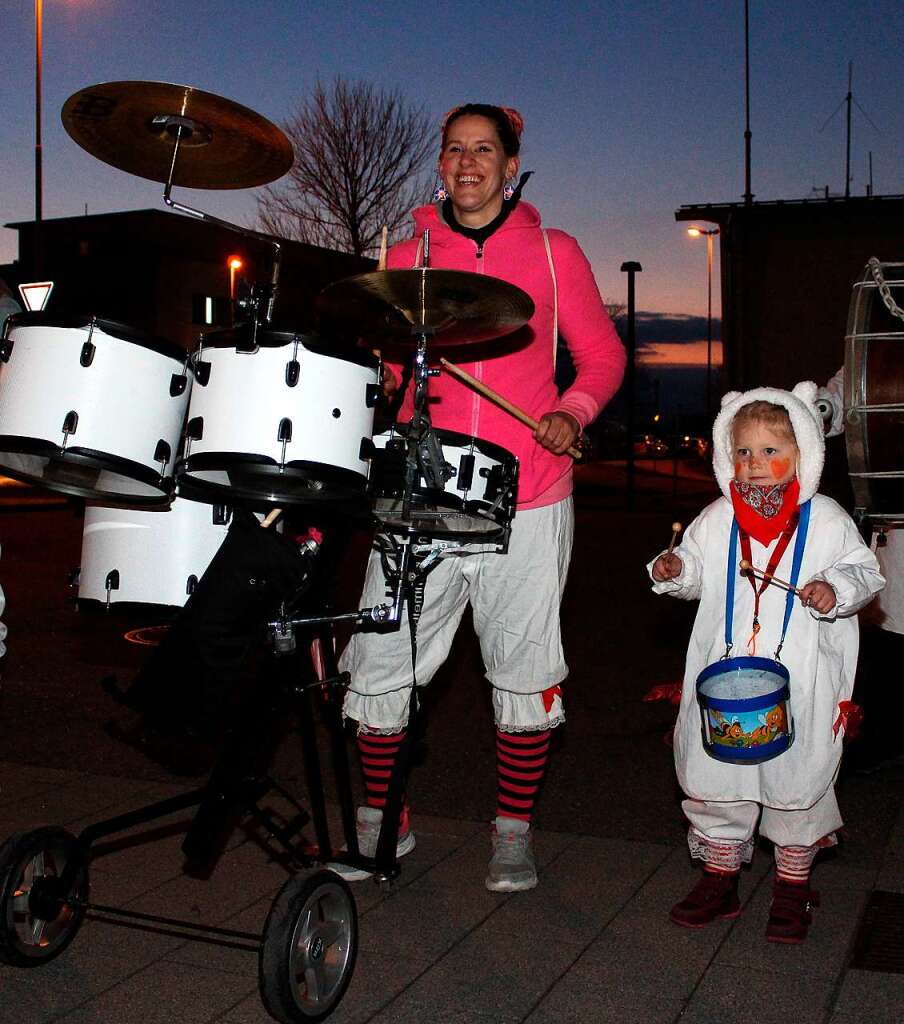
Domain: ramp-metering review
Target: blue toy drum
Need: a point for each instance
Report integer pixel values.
(745, 710)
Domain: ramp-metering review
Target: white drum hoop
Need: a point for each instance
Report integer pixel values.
(313, 425)
(91, 408)
(476, 504)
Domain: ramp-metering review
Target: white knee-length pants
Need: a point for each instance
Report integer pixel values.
(515, 599)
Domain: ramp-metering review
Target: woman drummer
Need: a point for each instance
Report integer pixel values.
(478, 223)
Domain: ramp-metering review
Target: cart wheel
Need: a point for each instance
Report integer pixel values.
(36, 922)
(309, 948)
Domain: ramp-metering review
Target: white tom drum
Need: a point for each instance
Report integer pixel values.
(148, 556)
(283, 423)
(91, 408)
(476, 502)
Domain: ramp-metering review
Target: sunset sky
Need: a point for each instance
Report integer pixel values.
(631, 109)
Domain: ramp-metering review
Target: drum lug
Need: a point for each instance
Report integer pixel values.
(465, 473)
(367, 450)
(87, 355)
(75, 577)
(284, 434)
(6, 349)
(202, 373)
(191, 584)
(373, 394)
(162, 454)
(293, 371)
(221, 515)
(194, 431)
(177, 385)
(70, 425)
(111, 583)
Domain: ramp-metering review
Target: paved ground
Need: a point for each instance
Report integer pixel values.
(591, 943)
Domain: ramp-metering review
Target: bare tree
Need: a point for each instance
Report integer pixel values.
(359, 157)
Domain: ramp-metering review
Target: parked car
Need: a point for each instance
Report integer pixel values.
(650, 447)
(695, 446)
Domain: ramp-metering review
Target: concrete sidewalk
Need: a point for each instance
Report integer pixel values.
(592, 943)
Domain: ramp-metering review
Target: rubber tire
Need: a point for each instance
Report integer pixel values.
(278, 968)
(16, 854)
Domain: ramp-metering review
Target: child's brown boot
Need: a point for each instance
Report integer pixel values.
(714, 896)
(791, 912)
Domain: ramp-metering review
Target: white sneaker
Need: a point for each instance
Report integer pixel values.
(368, 828)
(512, 868)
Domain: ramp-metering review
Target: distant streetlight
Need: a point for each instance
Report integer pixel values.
(708, 234)
(234, 263)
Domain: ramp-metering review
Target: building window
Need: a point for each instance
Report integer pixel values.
(210, 310)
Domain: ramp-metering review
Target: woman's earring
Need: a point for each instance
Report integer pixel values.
(508, 191)
(440, 195)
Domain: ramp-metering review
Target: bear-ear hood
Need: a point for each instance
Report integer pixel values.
(805, 421)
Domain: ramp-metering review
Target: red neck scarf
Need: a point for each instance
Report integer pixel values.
(758, 510)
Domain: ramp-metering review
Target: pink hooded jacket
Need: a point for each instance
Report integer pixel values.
(523, 370)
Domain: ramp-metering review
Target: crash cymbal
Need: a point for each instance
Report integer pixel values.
(456, 306)
(133, 126)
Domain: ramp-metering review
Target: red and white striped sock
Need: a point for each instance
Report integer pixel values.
(793, 863)
(521, 759)
(378, 756)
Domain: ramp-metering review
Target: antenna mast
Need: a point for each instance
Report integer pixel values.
(849, 102)
(847, 149)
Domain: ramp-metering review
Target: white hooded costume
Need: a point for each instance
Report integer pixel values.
(820, 651)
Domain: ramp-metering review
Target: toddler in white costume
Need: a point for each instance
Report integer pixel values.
(768, 451)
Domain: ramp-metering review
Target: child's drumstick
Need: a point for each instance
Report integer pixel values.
(271, 517)
(676, 529)
(503, 403)
(747, 567)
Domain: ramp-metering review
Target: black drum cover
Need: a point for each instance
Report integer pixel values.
(192, 680)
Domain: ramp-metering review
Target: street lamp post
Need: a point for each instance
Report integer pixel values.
(708, 234)
(39, 183)
(234, 263)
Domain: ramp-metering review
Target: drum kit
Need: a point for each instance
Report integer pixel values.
(165, 444)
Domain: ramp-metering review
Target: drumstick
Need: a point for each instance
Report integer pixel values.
(503, 403)
(676, 529)
(271, 517)
(747, 567)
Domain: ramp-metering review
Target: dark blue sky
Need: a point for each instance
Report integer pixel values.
(631, 108)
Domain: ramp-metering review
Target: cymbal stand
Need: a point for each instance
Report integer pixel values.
(179, 128)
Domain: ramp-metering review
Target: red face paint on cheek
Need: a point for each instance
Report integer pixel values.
(738, 466)
(779, 468)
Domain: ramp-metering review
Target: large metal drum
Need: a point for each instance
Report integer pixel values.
(91, 407)
(874, 392)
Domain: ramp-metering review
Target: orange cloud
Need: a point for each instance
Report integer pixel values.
(687, 353)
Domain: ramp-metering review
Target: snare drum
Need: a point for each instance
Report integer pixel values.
(874, 392)
(284, 423)
(476, 503)
(91, 408)
(745, 710)
(148, 556)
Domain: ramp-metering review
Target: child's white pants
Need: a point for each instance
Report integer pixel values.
(721, 833)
